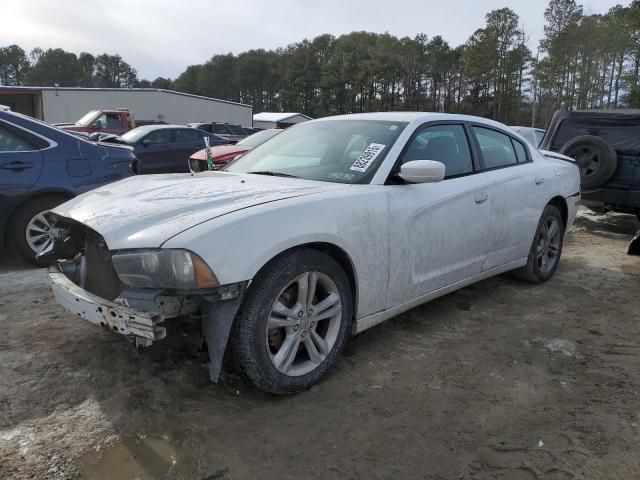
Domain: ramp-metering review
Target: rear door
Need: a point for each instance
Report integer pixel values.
(188, 142)
(515, 193)
(20, 158)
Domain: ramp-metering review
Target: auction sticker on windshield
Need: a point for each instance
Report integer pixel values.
(367, 157)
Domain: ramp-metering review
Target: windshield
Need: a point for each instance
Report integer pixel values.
(258, 138)
(86, 118)
(133, 136)
(340, 151)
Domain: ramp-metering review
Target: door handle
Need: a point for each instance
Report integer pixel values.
(16, 165)
(481, 197)
(539, 180)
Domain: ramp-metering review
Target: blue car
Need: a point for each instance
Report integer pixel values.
(164, 148)
(41, 167)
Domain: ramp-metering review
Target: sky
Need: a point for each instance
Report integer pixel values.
(163, 37)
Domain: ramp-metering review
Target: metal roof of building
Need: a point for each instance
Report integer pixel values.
(23, 89)
(277, 116)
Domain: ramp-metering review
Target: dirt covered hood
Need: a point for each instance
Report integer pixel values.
(147, 210)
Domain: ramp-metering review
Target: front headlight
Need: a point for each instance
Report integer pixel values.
(164, 268)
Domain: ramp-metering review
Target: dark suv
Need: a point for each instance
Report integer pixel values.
(41, 167)
(606, 147)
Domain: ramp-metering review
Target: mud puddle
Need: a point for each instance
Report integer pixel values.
(142, 458)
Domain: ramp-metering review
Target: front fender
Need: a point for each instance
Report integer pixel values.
(236, 246)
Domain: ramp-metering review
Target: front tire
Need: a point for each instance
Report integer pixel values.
(544, 255)
(294, 322)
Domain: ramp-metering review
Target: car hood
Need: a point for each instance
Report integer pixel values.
(146, 210)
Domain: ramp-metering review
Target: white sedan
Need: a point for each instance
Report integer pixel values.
(325, 230)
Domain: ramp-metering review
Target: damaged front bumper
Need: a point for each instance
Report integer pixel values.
(119, 318)
(141, 314)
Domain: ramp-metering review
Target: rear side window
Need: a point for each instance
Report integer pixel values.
(622, 133)
(188, 136)
(496, 148)
(12, 143)
(443, 143)
(521, 152)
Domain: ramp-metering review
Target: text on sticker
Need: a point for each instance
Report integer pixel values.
(367, 157)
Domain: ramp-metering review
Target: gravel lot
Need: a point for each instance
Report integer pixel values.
(499, 380)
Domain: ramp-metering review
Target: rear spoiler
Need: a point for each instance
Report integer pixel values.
(557, 156)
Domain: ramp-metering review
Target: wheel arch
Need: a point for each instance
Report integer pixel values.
(30, 198)
(336, 253)
(561, 204)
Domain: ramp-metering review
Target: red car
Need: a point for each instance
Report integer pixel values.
(223, 154)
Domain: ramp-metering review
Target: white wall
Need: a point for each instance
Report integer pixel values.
(69, 105)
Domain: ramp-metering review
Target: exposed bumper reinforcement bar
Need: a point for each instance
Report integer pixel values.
(113, 316)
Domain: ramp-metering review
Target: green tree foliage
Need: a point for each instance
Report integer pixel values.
(14, 65)
(583, 61)
(55, 67)
(111, 71)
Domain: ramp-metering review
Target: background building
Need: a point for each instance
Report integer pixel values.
(278, 119)
(66, 105)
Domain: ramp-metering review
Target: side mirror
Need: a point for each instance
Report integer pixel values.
(146, 142)
(422, 171)
(97, 126)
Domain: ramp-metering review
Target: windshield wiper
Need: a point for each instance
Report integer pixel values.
(274, 174)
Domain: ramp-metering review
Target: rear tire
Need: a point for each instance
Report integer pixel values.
(280, 344)
(544, 255)
(22, 219)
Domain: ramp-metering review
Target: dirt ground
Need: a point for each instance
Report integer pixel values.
(499, 380)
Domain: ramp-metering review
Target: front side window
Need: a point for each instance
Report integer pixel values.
(496, 148)
(108, 120)
(159, 136)
(340, 151)
(11, 143)
(443, 143)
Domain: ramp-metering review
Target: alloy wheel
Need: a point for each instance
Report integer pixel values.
(548, 246)
(40, 234)
(304, 323)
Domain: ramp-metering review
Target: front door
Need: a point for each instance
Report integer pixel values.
(438, 230)
(155, 152)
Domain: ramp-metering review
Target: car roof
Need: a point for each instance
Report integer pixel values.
(410, 117)
(160, 127)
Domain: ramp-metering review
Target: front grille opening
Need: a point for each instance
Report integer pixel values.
(101, 278)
